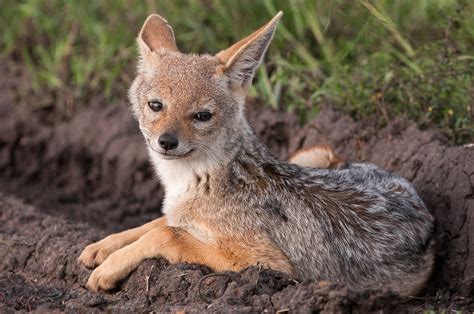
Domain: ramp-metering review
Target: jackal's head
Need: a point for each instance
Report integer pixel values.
(190, 106)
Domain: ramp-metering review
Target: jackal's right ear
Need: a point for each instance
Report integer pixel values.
(156, 34)
(240, 60)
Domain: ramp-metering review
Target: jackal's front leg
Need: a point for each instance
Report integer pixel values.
(177, 245)
(96, 253)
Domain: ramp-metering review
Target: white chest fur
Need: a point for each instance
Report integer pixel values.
(180, 179)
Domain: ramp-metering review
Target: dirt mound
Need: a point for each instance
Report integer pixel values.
(84, 166)
(90, 175)
(39, 271)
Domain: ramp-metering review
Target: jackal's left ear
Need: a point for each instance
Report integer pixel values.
(242, 59)
(156, 34)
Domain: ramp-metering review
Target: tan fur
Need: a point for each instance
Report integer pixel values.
(177, 245)
(94, 254)
(318, 156)
(156, 34)
(229, 55)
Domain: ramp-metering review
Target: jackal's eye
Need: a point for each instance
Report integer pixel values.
(155, 105)
(203, 116)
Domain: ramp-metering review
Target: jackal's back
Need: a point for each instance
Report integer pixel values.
(359, 225)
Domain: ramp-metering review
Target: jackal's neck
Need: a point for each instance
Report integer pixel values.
(182, 176)
(186, 178)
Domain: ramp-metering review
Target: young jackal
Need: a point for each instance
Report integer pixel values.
(230, 204)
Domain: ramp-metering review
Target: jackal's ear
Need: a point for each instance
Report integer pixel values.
(242, 59)
(156, 34)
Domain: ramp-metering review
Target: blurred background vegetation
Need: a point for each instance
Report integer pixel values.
(372, 59)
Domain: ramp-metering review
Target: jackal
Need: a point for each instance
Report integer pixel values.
(230, 204)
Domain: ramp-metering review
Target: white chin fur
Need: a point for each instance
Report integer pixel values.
(178, 176)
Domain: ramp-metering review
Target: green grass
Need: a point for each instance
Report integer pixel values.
(382, 59)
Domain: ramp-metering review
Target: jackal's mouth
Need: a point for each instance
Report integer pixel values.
(170, 156)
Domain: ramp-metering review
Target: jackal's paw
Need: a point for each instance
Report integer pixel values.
(95, 254)
(108, 274)
(101, 279)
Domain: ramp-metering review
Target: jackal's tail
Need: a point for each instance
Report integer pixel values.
(319, 156)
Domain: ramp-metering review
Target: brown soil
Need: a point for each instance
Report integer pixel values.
(66, 184)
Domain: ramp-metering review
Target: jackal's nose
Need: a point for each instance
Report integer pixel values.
(168, 141)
